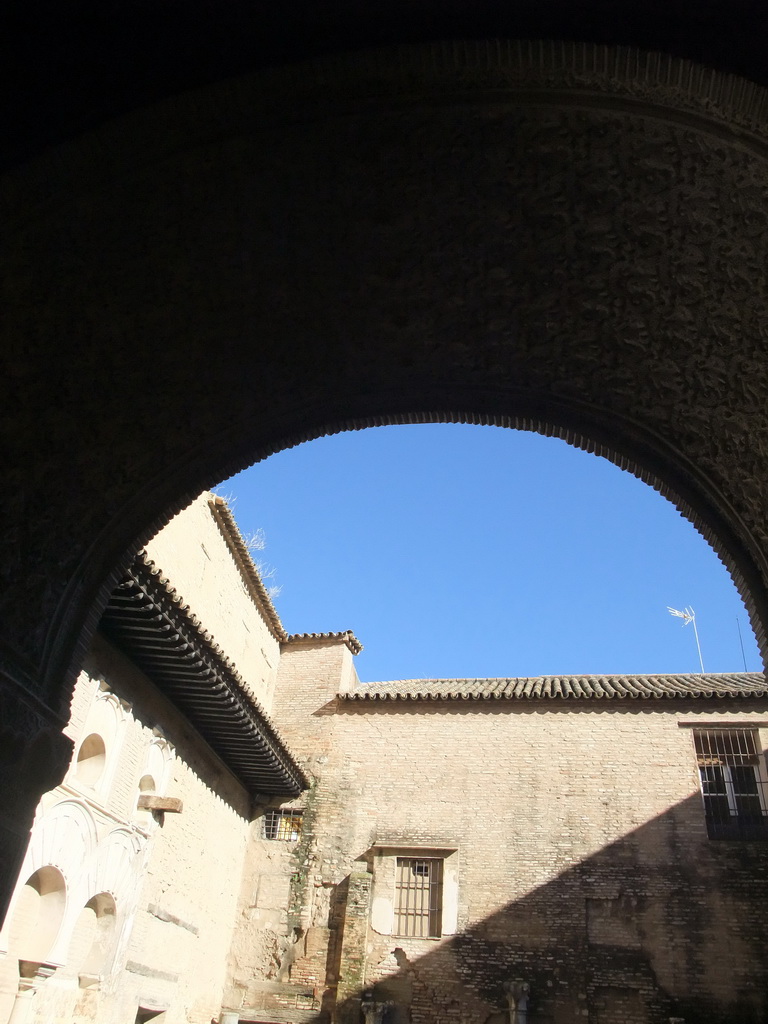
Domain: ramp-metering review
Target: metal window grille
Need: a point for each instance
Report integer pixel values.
(419, 897)
(732, 786)
(282, 825)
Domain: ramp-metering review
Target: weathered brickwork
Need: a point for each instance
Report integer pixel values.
(294, 895)
(584, 866)
(354, 943)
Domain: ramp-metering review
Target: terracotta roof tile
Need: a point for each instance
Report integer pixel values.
(345, 635)
(235, 541)
(222, 513)
(646, 687)
(150, 621)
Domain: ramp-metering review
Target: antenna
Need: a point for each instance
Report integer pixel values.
(688, 615)
(743, 655)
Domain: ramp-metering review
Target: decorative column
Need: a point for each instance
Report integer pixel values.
(31, 976)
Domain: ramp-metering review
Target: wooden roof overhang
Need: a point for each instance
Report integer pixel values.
(147, 620)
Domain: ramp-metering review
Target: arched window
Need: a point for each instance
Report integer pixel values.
(147, 784)
(147, 787)
(38, 915)
(92, 938)
(91, 760)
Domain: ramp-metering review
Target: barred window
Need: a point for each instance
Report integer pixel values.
(732, 785)
(284, 825)
(419, 897)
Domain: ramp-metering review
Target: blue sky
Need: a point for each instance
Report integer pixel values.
(464, 551)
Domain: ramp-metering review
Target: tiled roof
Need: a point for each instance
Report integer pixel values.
(149, 621)
(732, 684)
(346, 635)
(222, 513)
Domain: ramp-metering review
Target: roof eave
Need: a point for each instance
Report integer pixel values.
(345, 636)
(149, 621)
(235, 541)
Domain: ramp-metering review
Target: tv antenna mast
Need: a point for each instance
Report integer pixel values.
(688, 615)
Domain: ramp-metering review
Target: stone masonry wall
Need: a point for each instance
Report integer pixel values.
(292, 895)
(584, 866)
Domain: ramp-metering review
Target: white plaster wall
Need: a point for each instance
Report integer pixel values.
(97, 849)
(175, 883)
(188, 901)
(193, 554)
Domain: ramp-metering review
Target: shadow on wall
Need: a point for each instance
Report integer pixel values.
(642, 932)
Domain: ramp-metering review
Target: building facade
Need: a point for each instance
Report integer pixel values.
(248, 833)
(580, 848)
(125, 902)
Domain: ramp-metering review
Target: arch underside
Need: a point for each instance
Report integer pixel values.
(564, 239)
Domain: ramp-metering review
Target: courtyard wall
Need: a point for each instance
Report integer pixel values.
(575, 852)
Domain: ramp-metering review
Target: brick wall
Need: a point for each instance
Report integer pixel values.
(291, 900)
(584, 865)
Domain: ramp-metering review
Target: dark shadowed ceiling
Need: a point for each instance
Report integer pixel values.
(74, 64)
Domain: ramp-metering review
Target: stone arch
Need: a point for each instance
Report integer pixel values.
(64, 840)
(707, 511)
(64, 837)
(98, 756)
(510, 259)
(147, 787)
(93, 937)
(158, 762)
(118, 866)
(91, 760)
(154, 776)
(37, 915)
(561, 237)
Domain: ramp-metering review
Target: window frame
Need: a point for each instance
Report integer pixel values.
(721, 752)
(419, 897)
(384, 916)
(272, 821)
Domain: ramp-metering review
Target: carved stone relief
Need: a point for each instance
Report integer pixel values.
(562, 238)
